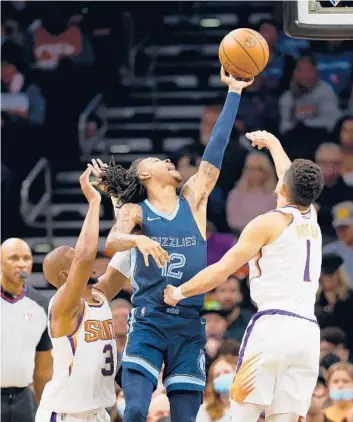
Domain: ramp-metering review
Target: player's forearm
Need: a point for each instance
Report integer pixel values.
(205, 280)
(87, 243)
(280, 158)
(220, 135)
(120, 242)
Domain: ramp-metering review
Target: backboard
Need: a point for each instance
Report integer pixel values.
(318, 20)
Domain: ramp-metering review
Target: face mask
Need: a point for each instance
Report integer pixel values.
(343, 395)
(223, 383)
(120, 407)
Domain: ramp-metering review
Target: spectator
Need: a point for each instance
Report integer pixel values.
(22, 113)
(235, 153)
(229, 297)
(309, 109)
(258, 109)
(343, 134)
(217, 243)
(333, 341)
(26, 347)
(335, 65)
(120, 311)
(343, 223)
(254, 192)
(318, 402)
(216, 327)
(229, 347)
(280, 66)
(216, 407)
(159, 410)
(334, 306)
(340, 384)
(329, 157)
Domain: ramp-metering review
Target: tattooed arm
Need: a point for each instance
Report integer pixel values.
(120, 238)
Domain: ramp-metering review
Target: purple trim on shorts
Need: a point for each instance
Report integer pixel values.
(53, 417)
(251, 327)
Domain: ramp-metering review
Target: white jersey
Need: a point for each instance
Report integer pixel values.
(285, 274)
(84, 364)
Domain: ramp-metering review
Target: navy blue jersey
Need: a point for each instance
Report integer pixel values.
(179, 235)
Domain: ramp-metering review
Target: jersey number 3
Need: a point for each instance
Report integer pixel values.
(171, 269)
(307, 261)
(108, 370)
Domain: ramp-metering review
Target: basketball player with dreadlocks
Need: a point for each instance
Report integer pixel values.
(173, 234)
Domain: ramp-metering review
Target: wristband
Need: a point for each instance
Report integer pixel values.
(177, 295)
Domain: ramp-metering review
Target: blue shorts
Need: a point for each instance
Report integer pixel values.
(172, 335)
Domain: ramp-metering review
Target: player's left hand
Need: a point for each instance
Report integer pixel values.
(91, 194)
(169, 296)
(96, 168)
(235, 85)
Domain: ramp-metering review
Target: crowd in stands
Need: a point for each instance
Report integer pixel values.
(52, 63)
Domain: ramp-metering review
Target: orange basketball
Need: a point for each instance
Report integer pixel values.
(243, 53)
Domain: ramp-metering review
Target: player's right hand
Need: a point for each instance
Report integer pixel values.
(149, 247)
(261, 139)
(91, 194)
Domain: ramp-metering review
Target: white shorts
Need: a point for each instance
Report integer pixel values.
(278, 363)
(100, 415)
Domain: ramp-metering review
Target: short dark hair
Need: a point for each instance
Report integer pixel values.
(333, 335)
(304, 182)
(125, 185)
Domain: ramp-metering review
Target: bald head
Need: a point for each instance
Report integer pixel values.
(56, 265)
(16, 262)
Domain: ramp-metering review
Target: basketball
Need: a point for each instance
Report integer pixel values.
(243, 53)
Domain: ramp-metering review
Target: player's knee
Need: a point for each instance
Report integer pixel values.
(134, 413)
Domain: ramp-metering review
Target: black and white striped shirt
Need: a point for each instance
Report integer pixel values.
(23, 333)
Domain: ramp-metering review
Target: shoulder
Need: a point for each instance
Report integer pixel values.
(273, 218)
(38, 298)
(131, 211)
(325, 88)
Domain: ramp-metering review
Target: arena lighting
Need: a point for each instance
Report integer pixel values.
(120, 149)
(42, 248)
(210, 23)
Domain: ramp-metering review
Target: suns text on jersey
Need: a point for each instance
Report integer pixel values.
(98, 330)
(176, 242)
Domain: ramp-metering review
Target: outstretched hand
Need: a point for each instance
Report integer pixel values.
(261, 139)
(235, 85)
(96, 168)
(88, 190)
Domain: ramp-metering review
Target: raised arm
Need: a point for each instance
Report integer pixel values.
(69, 296)
(262, 139)
(258, 233)
(198, 187)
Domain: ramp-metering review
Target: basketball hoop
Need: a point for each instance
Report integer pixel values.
(318, 20)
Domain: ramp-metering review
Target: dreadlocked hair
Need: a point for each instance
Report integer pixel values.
(122, 184)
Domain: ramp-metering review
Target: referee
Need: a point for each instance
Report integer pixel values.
(25, 344)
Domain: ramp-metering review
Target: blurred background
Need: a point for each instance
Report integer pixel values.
(82, 80)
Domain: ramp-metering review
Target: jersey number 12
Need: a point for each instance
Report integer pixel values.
(171, 269)
(307, 261)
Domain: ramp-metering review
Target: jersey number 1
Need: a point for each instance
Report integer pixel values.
(307, 262)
